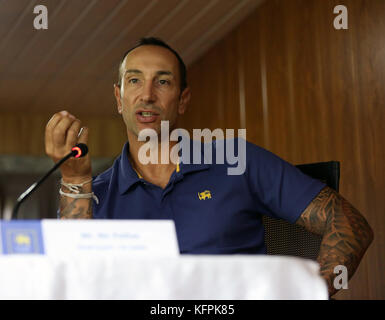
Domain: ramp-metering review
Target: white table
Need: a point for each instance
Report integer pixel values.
(187, 277)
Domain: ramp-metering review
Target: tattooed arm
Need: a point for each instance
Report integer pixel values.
(346, 233)
(76, 208)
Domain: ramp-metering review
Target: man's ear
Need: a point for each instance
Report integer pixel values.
(118, 98)
(184, 100)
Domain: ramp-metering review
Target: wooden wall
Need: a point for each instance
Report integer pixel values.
(308, 93)
(23, 133)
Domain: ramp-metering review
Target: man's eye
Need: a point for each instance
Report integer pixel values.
(133, 80)
(164, 82)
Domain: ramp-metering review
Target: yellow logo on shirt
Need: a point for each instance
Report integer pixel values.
(204, 195)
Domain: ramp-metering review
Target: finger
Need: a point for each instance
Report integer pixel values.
(53, 121)
(51, 124)
(72, 133)
(56, 117)
(59, 133)
(83, 135)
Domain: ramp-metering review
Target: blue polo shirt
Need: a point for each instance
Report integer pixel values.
(214, 213)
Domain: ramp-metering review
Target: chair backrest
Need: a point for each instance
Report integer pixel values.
(284, 238)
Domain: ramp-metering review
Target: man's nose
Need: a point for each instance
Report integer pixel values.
(148, 94)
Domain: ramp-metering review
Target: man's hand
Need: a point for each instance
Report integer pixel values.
(346, 233)
(63, 131)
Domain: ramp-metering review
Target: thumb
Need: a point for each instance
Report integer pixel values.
(83, 135)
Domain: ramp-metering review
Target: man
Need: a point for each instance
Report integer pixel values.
(213, 212)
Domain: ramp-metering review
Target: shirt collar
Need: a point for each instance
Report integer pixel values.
(128, 176)
(191, 166)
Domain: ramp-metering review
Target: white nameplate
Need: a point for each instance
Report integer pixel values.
(131, 237)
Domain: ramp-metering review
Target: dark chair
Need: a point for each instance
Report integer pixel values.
(284, 238)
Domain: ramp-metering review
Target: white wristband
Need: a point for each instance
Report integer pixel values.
(80, 195)
(74, 187)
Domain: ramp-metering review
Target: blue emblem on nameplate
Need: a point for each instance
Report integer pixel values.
(22, 237)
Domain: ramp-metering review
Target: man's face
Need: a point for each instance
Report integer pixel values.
(150, 89)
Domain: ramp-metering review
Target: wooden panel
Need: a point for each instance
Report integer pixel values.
(23, 134)
(310, 93)
(79, 53)
(250, 68)
(220, 94)
(13, 15)
(215, 31)
(368, 50)
(201, 22)
(26, 70)
(185, 10)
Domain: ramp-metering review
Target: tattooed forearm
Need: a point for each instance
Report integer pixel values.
(346, 233)
(75, 208)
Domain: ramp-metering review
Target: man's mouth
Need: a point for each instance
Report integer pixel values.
(147, 113)
(146, 116)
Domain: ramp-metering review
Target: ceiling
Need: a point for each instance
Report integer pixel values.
(73, 64)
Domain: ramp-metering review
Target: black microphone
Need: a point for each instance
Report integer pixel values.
(78, 151)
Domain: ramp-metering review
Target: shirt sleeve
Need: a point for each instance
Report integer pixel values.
(281, 190)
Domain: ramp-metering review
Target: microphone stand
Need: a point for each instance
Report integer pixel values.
(33, 187)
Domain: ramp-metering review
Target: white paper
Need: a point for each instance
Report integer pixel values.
(131, 237)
